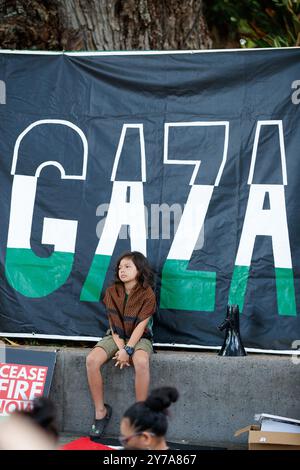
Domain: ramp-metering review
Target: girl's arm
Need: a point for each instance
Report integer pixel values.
(137, 333)
(121, 356)
(119, 341)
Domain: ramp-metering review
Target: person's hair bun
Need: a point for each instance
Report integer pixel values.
(161, 398)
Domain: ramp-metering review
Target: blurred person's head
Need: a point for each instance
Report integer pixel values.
(17, 432)
(144, 425)
(43, 415)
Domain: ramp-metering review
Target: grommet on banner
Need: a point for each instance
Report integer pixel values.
(232, 345)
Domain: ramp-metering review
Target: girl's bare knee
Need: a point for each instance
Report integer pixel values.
(141, 365)
(94, 361)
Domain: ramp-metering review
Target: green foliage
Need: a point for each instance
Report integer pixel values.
(266, 23)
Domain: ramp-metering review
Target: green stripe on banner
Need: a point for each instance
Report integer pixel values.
(284, 288)
(34, 276)
(93, 285)
(238, 286)
(285, 291)
(184, 289)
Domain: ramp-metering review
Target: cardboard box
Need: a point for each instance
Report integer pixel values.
(266, 440)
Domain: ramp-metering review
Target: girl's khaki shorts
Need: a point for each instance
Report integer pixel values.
(107, 343)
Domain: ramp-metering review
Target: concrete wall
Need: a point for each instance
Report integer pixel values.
(218, 395)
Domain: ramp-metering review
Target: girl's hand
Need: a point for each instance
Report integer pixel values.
(122, 359)
(122, 364)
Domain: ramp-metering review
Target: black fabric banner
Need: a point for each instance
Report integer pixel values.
(190, 158)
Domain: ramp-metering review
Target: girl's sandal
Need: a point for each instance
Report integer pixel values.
(99, 425)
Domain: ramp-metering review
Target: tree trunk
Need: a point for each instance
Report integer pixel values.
(29, 24)
(103, 25)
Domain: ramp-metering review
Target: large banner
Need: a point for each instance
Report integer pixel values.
(191, 158)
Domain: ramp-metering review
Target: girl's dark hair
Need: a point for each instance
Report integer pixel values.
(145, 273)
(43, 414)
(151, 414)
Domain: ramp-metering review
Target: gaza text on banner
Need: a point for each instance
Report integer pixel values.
(191, 159)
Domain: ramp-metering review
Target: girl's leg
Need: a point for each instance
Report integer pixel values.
(96, 358)
(140, 361)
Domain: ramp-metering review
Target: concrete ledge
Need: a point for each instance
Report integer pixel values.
(218, 395)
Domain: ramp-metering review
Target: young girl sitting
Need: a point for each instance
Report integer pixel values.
(130, 303)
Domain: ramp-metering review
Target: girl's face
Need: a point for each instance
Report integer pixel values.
(131, 439)
(127, 270)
